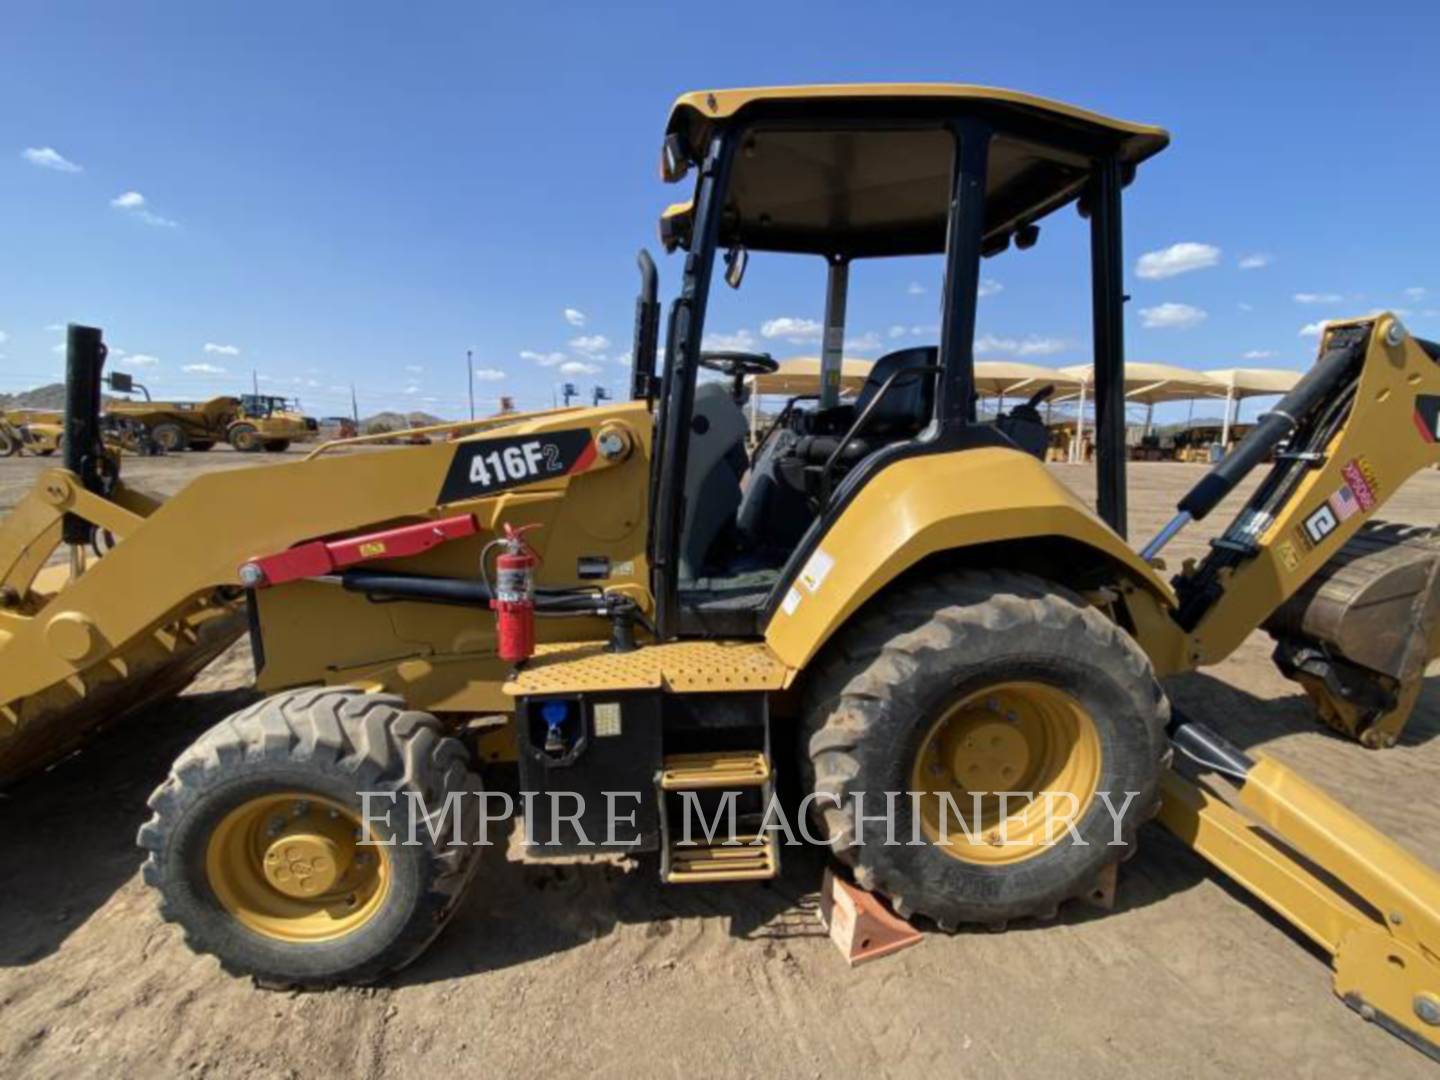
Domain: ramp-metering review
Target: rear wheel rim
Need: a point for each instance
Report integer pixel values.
(1023, 737)
(290, 868)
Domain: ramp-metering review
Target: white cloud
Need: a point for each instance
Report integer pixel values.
(222, 350)
(574, 316)
(488, 374)
(1260, 354)
(4, 337)
(47, 157)
(414, 369)
(1416, 292)
(132, 202)
(577, 367)
(115, 350)
(1257, 261)
(203, 369)
(548, 359)
(142, 360)
(1176, 259)
(590, 344)
(411, 389)
(796, 331)
(989, 287)
(897, 331)
(915, 289)
(1028, 346)
(55, 327)
(739, 341)
(1312, 329)
(1245, 307)
(1318, 298)
(1169, 316)
(58, 350)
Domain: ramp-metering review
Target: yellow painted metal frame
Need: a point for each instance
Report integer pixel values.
(1370, 905)
(1380, 438)
(930, 504)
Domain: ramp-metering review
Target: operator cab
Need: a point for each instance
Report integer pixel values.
(844, 174)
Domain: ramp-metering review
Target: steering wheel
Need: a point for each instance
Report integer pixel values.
(738, 364)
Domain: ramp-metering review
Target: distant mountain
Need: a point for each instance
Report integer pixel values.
(394, 421)
(42, 397)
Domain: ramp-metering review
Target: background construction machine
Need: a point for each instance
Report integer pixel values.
(249, 423)
(889, 596)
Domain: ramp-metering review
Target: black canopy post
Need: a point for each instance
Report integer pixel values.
(832, 349)
(1108, 320)
(955, 404)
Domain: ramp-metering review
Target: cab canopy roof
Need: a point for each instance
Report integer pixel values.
(865, 170)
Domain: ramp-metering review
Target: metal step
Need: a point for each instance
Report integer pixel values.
(723, 769)
(743, 861)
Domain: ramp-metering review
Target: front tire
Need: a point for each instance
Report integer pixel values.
(245, 438)
(252, 846)
(976, 683)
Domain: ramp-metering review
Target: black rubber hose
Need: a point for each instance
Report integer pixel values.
(1319, 383)
(456, 591)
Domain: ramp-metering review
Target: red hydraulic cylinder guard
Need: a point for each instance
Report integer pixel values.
(326, 556)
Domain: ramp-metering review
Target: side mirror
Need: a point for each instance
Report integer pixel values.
(121, 383)
(736, 259)
(674, 163)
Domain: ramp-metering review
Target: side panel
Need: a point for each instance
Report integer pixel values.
(921, 506)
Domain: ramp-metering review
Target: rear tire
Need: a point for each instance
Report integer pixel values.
(1009, 655)
(9, 445)
(231, 879)
(169, 437)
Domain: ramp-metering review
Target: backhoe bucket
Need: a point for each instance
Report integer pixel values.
(1358, 635)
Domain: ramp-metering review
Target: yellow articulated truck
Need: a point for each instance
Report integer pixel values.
(886, 597)
(249, 423)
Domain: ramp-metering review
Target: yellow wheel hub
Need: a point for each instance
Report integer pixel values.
(1002, 772)
(290, 867)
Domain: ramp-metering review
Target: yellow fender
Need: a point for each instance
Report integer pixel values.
(932, 503)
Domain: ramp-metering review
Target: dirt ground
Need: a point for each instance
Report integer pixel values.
(593, 969)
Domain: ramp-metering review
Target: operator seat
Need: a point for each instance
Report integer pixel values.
(900, 414)
(776, 509)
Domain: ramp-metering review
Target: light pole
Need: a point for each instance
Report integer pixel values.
(470, 379)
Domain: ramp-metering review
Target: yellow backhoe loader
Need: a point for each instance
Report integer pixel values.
(888, 597)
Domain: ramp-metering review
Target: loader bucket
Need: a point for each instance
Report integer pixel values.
(40, 728)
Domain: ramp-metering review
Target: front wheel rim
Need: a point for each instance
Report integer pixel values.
(290, 868)
(1024, 737)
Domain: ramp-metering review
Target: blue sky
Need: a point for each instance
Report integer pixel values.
(328, 193)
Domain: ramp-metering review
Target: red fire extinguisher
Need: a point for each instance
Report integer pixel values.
(514, 599)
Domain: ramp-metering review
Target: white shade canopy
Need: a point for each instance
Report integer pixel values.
(1150, 384)
(1255, 382)
(801, 375)
(1009, 378)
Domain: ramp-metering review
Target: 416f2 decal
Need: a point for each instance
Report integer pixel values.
(491, 465)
